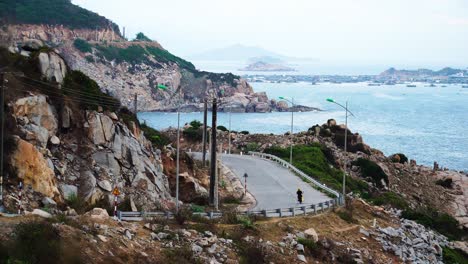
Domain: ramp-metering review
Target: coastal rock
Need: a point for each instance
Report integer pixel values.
(33, 169)
(52, 67)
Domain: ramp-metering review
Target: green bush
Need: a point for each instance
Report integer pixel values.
(197, 208)
(158, 139)
(196, 124)
(346, 216)
(165, 56)
(311, 159)
(193, 134)
(222, 128)
(403, 158)
(390, 198)
(454, 256)
(441, 222)
(372, 170)
(142, 37)
(52, 12)
(446, 183)
(245, 132)
(38, 243)
(82, 45)
(230, 200)
(81, 88)
(252, 147)
(309, 244)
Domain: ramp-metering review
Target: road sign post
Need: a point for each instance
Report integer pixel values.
(20, 205)
(245, 183)
(116, 193)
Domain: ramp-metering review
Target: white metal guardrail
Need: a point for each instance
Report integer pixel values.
(279, 212)
(298, 172)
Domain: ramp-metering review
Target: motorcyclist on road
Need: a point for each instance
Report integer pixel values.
(299, 195)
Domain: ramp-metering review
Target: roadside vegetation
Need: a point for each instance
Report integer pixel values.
(312, 160)
(52, 12)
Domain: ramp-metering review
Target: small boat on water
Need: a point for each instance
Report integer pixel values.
(411, 85)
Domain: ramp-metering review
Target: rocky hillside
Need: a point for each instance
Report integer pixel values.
(93, 45)
(71, 143)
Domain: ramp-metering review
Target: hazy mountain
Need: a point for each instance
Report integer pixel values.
(239, 52)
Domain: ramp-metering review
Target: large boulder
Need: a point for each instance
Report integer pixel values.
(101, 128)
(32, 168)
(87, 185)
(40, 115)
(52, 67)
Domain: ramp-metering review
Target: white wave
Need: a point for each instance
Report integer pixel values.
(387, 96)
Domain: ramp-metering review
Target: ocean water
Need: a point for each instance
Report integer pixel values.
(426, 123)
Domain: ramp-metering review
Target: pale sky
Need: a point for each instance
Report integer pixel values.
(421, 33)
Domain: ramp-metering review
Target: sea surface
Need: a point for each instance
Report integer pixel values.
(426, 123)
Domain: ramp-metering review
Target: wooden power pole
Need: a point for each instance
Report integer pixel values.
(205, 117)
(213, 155)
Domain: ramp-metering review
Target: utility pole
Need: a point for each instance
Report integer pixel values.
(213, 155)
(205, 117)
(2, 137)
(135, 104)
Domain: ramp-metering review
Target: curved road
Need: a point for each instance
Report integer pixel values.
(272, 185)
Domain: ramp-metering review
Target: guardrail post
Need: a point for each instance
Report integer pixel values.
(314, 208)
(264, 213)
(293, 211)
(167, 214)
(321, 206)
(119, 215)
(210, 215)
(279, 212)
(304, 209)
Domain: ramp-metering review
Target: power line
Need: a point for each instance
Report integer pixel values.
(89, 101)
(67, 89)
(57, 94)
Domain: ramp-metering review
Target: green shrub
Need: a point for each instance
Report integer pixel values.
(454, 256)
(441, 222)
(197, 208)
(89, 59)
(222, 128)
(246, 222)
(196, 124)
(245, 132)
(185, 213)
(230, 200)
(82, 45)
(134, 54)
(193, 134)
(36, 242)
(372, 170)
(390, 198)
(309, 244)
(165, 56)
(158, 139)
(311, 159)
(142, 37)
(346, 216)
(80, 87)
(446, 183)
(252, 147)
(53, 12)
(403, 159)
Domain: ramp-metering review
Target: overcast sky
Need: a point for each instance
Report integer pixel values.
(425, 33)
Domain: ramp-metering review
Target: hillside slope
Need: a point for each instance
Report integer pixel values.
(123, 68)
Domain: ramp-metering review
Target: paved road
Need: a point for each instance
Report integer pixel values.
(272, 185)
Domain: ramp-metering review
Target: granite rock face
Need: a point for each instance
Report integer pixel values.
(89, 158)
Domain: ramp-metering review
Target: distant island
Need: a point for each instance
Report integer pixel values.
(264, 66)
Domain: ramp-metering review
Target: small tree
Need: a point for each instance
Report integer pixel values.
(142, 37)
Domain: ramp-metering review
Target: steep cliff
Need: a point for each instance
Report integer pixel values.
(72, 143)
